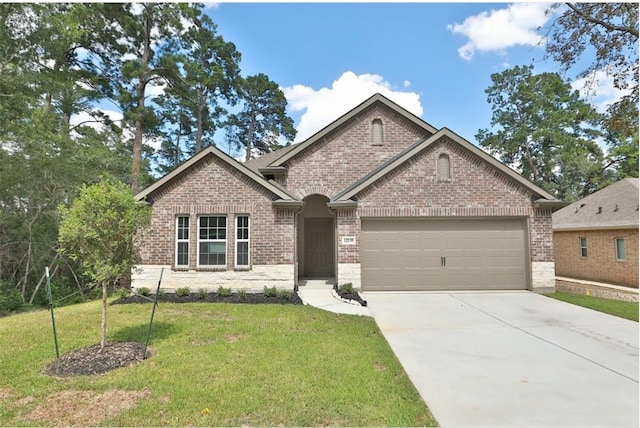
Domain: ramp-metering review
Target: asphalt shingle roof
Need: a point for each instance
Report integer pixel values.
(615, 206)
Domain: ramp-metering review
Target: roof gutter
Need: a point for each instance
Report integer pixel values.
(550, 203)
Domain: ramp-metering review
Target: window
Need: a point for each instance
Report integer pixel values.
(212, 241)
(444, 172)
(376, 132)
(182, 240)
(583, 247)
(242, 241)
(621, 254)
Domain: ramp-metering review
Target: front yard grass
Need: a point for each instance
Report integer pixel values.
(212, 365)
(619, 308)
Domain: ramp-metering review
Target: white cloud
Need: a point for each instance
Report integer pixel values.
(499, 29)
(325, 105)
(406, 83)
(598, 88)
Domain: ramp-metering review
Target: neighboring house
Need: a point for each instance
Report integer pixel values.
(378, 198)
(596, 238)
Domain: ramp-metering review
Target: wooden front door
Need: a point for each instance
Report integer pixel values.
(318, 246)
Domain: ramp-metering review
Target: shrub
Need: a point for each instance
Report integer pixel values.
(144, 291)
(242, 294)
(347, 288)
(183, 292)
(202, 294)
(10, 300)
(224, 292)
(284, 294)
(121, 293)
(270, 291)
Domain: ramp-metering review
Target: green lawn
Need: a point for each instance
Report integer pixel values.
(619, 308)
(213, 365)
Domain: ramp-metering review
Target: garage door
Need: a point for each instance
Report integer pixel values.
(443, 254)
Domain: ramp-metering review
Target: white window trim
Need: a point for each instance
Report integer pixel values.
(226, 252)
(179, 241)
(585, 247)
(248, 241)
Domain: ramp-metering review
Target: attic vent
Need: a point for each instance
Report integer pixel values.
(581, 205)
(616, 208)
(599, 210)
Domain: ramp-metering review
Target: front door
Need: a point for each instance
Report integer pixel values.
(318, 246)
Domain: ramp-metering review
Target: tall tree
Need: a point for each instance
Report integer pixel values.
(544, 130)
(263, 120)
(99, 229)
(609, 32)
(149, 32)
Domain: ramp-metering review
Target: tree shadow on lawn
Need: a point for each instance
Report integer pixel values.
(138, 333)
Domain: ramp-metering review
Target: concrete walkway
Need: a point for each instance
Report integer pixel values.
(320, 294)
(513, 359)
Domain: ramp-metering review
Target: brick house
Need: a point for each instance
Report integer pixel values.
(596, 238)
(378, 198)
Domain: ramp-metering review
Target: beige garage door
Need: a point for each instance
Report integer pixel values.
(410, 254)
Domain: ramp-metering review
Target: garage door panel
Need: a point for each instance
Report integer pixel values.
(443, 254)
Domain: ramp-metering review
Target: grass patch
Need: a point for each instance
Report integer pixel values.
(619, 308)
(216, 365)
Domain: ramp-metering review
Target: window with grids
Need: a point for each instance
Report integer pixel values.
(212, 241)
(182, 241)
(621, 253)
(242, 241)
(583, 247)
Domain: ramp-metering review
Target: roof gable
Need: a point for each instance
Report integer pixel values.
(214, 151)
(376, 98)
(414, 150)
(615, 206)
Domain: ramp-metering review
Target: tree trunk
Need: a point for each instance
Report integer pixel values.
(250, 136)
(200, 120)
(103, 326)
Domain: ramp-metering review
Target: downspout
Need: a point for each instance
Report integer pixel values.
(334, 211)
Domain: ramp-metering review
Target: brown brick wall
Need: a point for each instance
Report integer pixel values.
(600, 265)
(347, 154)
(475, 189)
(213, 187)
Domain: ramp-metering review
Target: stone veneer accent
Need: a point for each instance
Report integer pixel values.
(254, 280)
(543, 277)
(349, 272)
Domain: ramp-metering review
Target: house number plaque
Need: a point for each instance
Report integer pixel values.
(348, 240)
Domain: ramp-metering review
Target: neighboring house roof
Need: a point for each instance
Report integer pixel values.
(376, 98)
(413, 150)
(614, 207)
(214, 151)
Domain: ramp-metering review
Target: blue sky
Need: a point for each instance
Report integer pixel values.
(434, 59)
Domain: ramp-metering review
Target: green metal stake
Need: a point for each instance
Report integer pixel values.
(53, 319)
(153, 311)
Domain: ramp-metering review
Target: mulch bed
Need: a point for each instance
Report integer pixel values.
(92, 361)
(350, 296)
(248, 298)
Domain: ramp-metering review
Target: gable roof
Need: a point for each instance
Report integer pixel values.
(214, 151)
(262, 161)
(376, 98)
(614, 207)
(549, 200)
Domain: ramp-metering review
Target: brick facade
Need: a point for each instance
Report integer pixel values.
(337, 160)
(601, 264)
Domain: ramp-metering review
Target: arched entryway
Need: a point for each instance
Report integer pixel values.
(316, 239)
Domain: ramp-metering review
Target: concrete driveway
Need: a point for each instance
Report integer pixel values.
(513, 358)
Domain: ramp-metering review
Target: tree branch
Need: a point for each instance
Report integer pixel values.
(606, 25)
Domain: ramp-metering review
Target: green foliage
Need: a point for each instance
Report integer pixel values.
(224, 292)
(121, 293)
(100, 230)
(242, 294)
(284, 294)
(202, 294)
(546, 131)
(346, 288)
(270, 291)
(263, 120)
(183, 292)
(10, 300)
(144, 291)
